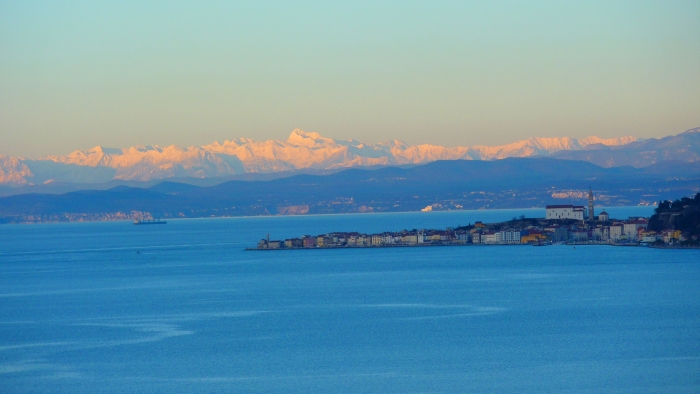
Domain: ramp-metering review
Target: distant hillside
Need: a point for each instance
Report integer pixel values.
(459, 184)
(681, 147)
(66, 187)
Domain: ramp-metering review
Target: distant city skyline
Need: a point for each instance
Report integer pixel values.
(76, 75)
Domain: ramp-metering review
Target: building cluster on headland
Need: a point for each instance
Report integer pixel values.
(537, 232)
(562, 223)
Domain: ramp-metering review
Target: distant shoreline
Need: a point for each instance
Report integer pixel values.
(518, 231)
(635, 245)
(118, 217)
(423, 245)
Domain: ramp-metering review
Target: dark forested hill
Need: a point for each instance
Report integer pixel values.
(682, 214)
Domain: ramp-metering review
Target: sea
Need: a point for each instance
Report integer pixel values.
(109, 307)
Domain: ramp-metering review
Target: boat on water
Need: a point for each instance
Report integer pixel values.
(149, 221)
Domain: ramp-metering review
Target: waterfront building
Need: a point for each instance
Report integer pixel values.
(671, 236)
(649, 237)
(293, 243)
(513, 236)
(309, 241)
(488, 237)
(267, 244)
(599, 233)
(499, 236)
(476, 237)
(433, 237)
(463, 236)
(629, 230)
(603, 217)
(410, 238)
(532, 236)
(557, 233)
(579, 235)
(639, 222)
(558, 212)
(616, 232)
(376, 240)
(508, 236)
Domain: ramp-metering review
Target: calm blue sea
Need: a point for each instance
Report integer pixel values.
(180, 308)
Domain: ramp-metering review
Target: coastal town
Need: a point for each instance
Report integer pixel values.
(569, 224)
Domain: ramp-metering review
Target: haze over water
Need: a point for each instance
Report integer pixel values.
(112, 307)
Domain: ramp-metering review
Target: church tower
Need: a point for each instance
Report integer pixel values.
(591, 215)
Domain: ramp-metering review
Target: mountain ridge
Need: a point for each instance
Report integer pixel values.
(302, 150)
(312, 151)
(445, 184)
(682, 147)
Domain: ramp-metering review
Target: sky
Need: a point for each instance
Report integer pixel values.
(74, 75)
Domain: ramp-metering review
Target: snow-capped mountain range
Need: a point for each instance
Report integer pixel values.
(302, 150)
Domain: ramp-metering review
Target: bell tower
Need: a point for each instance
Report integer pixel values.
(591, 214)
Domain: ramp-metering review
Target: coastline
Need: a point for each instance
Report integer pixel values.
(518, 231)
(124, 216)
(423, 245)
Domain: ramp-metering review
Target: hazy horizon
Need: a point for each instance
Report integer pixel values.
(78, 75)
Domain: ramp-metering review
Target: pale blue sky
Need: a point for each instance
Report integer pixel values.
(78, 74)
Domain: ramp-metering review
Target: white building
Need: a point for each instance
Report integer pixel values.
(464, 237)
(577, 212)
(476, 238)
(649, 238)
(616, 232)
(488, 237)
(630, 230)
(508, 236)
(632, 227)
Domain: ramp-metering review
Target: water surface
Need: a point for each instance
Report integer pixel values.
(112, 307)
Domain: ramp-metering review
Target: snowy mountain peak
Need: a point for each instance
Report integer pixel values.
(310, 140)
(301, 150)
(608, 142)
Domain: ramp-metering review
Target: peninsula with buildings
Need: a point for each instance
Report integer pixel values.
(569, 224)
